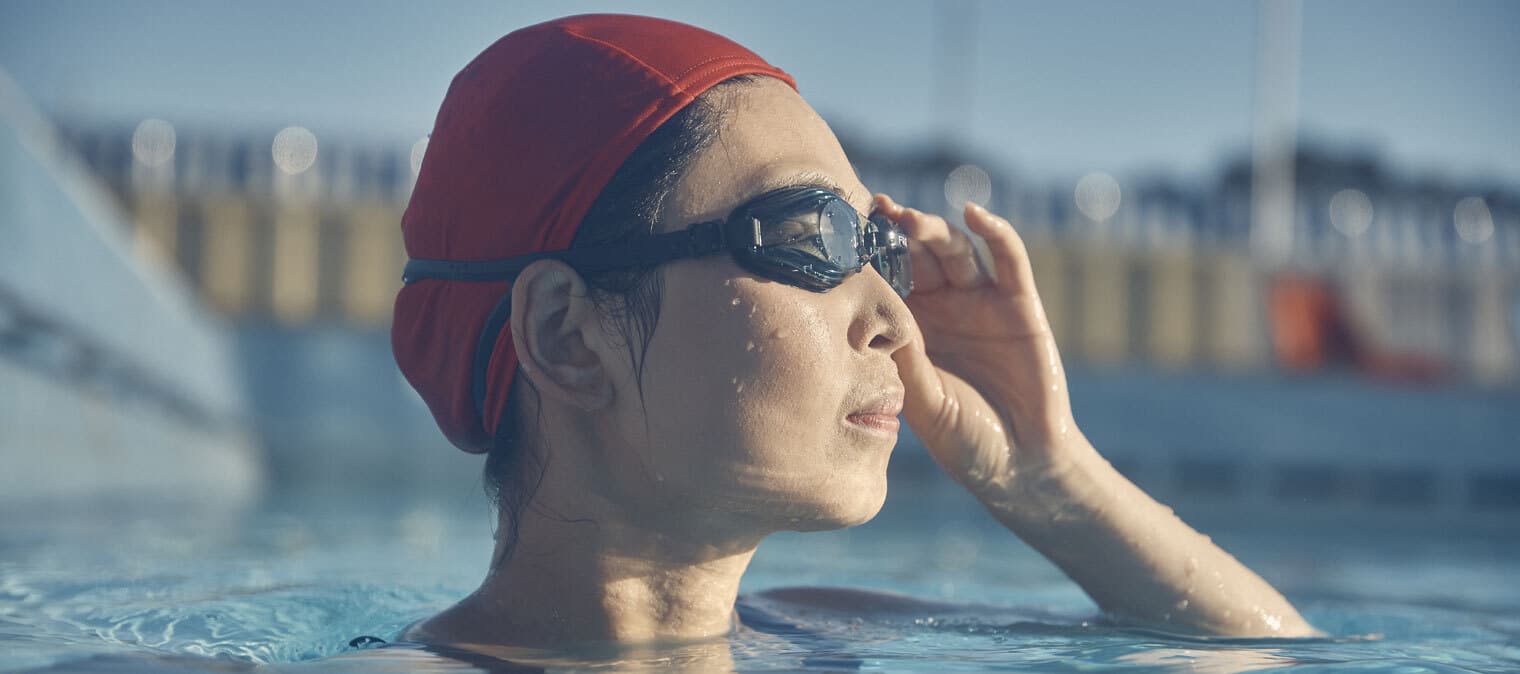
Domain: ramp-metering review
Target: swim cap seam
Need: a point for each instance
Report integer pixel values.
(703, 66)
(622, 52)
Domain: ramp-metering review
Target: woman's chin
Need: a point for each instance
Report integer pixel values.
(848, 509)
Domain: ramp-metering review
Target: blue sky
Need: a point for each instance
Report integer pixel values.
(1054, 89)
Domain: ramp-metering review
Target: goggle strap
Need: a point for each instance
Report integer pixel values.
(484, 345)
(701, 239)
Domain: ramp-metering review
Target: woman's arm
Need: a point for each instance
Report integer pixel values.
(1134, 557)
(987, 395)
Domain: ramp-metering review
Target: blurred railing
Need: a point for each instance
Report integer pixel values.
(299, 237)
(1406, 279)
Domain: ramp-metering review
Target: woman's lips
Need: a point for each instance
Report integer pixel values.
(883, 423)
(879, 414)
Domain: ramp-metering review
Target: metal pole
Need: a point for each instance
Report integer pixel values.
(1274, 142)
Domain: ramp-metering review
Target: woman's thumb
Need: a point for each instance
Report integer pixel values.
(957, 427)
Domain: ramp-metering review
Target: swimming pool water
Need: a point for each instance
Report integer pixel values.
(286, 585)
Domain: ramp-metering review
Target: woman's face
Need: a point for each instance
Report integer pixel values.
(758, 396)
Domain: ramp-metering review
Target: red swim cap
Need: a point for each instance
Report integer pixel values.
(528, 135)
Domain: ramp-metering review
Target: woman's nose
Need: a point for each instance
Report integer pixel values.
(882, 322)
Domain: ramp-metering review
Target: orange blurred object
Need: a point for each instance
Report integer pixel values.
(1308, 326)
(1311, 329)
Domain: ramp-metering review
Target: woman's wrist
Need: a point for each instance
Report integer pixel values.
(1061, 486)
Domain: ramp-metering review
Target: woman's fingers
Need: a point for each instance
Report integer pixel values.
(927, 275)
(1010, 259)
(950, 247)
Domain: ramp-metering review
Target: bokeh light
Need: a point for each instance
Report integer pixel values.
(419, 149)
(1098, 196)
(1474, 222)
(967, 182)
(1351, 212)
(295, 149)
(153, 142)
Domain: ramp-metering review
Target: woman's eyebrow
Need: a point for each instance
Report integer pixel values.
(809, 179)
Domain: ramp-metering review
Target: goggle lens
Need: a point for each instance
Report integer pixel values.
(839, 234)
(890, 255)
(813, 238)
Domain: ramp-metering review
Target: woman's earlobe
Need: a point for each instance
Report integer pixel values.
(552, 320)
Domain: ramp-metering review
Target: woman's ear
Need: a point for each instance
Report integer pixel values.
(553, 324)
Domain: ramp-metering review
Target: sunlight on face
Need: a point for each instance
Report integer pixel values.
(749, 383)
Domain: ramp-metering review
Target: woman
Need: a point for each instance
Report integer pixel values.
(725, 351)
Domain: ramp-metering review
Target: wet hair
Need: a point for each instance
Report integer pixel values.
(628, 207)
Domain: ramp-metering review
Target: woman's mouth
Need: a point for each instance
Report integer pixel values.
(880, 423)
(879, 414)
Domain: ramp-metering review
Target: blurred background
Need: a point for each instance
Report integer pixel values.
(1279, 241)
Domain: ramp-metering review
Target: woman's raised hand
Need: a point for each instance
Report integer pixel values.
(986, 391)
(987, 395)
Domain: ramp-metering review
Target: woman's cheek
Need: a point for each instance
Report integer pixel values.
(784, 392)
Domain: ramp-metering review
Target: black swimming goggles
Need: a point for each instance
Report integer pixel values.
(807, 237)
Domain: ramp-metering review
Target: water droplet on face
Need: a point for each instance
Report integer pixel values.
(1274, 622)
(749, 346)
(1182, 605)
(733, 380)
(735, 302)
(739, 388)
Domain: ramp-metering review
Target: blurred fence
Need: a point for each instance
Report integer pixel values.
(1404, 279)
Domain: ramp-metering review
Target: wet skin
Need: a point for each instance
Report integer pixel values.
(765, 407)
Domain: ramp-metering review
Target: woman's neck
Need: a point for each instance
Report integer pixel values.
(585, 573)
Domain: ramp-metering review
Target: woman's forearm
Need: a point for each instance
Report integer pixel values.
(1135, 558)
